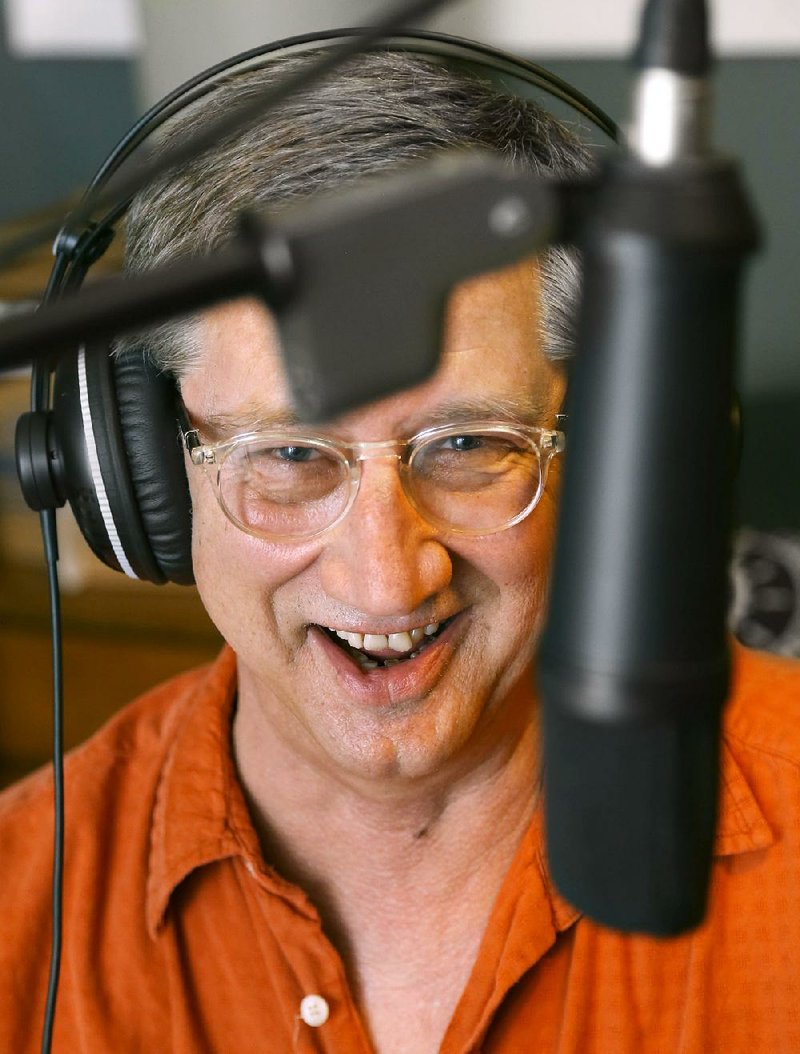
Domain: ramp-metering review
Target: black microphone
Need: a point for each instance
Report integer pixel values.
(634, 666)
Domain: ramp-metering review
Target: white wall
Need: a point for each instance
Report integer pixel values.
(183, 36)
(608, 27)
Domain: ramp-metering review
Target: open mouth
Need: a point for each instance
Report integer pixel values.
(372, 651)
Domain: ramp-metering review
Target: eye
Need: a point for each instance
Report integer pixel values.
(466, 442)
(295, 453)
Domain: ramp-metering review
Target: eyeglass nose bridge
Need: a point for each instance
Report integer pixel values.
(391, 448)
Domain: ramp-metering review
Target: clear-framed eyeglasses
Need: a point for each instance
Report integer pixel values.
(470, 479)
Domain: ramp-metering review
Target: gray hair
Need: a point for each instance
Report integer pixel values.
(379, 112)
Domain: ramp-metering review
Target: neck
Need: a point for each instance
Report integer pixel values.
(389, 832)
(386, 861)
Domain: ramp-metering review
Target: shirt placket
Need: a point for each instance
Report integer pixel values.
(320, 1011)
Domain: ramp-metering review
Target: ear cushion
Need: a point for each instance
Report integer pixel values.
(146, 406)
(117, 436)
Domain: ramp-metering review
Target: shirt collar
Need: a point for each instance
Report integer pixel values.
(741, 828)
(200, 814)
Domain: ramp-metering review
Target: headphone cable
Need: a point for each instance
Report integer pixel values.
(47, 519)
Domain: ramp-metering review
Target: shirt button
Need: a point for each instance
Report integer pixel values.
(314, 1010)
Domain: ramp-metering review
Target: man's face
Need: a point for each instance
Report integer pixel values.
(383, 569)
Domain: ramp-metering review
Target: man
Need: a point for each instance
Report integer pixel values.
(332, 839)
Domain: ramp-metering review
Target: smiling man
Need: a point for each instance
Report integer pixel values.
(381, 642)
(332, 839)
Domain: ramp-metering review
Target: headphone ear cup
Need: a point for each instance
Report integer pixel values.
(116, 430)
(146, 403)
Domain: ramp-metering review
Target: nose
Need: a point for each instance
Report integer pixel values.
(384, 559)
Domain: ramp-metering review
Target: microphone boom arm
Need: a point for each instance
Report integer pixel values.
(351, 274)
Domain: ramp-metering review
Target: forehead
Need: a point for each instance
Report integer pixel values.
(491, 364)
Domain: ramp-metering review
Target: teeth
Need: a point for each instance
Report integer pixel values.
(400, 641)
(355, 640)
(375, 641)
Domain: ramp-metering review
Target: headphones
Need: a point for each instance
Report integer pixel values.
(102, 433)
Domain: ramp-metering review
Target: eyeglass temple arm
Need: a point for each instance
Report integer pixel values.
(190, 436)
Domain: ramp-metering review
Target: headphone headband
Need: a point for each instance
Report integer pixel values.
(478, 57)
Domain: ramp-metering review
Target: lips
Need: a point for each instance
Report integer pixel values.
(385, 677)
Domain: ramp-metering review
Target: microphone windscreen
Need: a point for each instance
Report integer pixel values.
(630, 812)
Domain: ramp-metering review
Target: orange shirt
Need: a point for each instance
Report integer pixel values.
(180, 939)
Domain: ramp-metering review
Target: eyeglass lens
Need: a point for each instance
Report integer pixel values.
(471, 481)
(476, 482)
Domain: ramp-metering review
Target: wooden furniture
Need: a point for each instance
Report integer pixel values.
(120, 638)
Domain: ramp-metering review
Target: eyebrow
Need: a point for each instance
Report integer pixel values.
(248, 418)
(522, 410)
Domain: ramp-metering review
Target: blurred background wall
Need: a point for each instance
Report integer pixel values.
(60, 109)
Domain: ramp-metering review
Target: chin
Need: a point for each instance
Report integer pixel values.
(417, 741)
